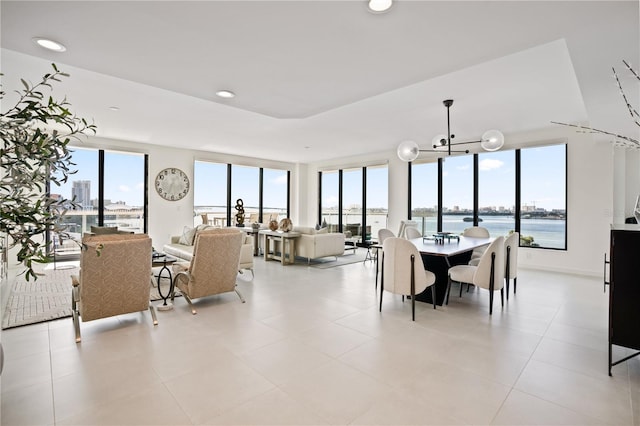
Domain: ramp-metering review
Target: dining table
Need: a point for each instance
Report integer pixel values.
(439, 253)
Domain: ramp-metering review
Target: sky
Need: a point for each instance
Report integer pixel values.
(210, 186)
(124, 176)
(543, 168)
(542, 179)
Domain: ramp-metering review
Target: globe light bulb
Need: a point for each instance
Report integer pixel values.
(408, 151)
(492, 140)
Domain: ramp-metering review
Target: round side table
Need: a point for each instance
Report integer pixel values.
(164, 260)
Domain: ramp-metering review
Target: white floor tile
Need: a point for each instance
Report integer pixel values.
(311, 347)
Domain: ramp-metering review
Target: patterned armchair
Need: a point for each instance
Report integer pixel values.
(214, 266)
(114, 279)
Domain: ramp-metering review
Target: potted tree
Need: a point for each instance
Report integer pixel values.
(34, 154)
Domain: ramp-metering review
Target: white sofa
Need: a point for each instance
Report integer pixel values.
(178, 247)
(314, 244)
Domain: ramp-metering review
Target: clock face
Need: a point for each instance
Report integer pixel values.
(172, 184)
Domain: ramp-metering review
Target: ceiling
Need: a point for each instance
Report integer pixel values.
(317, 80)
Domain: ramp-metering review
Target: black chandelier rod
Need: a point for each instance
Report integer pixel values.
(447, 103)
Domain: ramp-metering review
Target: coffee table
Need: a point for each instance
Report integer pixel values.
(163, 260)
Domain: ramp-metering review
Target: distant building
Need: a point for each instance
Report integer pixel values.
(81, 193)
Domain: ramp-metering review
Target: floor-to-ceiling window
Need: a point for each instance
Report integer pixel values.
(330, 200)
(81, 188)
(352, 202)
(245, 186)
(123, 201)
(457, 193)
(124, 183)
(536, 207)
(210, 192)
(377, 198)
(355, 200)
(543, 207)
(211, 187)
(424, 196)
(274, 194)
(497, 191)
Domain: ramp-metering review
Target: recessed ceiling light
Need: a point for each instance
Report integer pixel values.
(49, 44)
(228, 94)
(379, 6)
(114, 108)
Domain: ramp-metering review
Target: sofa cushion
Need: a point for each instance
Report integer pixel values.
(188, 235)
(180, 251)
(305, 230)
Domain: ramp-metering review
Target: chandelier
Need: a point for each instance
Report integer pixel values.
(492, 140)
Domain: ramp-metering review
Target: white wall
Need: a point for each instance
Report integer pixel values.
(631, 180)
(589, 204)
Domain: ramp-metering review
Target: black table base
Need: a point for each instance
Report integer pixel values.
(440, 267)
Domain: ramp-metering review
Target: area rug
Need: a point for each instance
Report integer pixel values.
(358, 256)
(44, 299)
(49, 297)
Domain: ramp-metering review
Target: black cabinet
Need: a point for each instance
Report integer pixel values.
(624, 290)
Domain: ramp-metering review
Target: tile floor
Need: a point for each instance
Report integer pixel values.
(310, 347)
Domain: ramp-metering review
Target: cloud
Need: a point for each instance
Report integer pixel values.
(490, 164)
(465, 167)
(140, 185)
(124, 188)
(279, 180)
(330, 202)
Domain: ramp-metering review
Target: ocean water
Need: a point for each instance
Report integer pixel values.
(547, 233)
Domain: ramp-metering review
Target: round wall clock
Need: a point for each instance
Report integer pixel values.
(172, 184)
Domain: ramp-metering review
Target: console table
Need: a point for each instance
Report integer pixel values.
(287, 242)
(253, 232)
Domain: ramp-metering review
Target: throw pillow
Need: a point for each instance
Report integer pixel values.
(187, 236)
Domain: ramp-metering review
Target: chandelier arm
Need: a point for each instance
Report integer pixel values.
(466, 151)
(463, 143)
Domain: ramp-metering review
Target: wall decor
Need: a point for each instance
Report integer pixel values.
(172, 184)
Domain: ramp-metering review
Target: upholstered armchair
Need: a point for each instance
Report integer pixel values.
(213, 268)
(115, 270)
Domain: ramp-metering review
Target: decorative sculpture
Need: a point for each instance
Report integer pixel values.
(273, 225)
(240, 214)
(286, 225)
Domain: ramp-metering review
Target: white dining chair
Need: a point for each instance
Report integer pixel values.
(511, 244)
(488, 274)
(411, 233)
(478, 232)
(403, 272)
